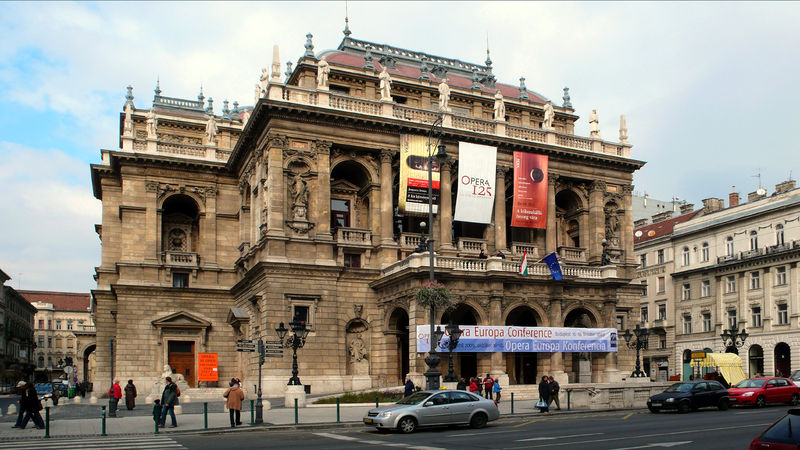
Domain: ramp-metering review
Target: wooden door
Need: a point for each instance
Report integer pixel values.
(181, 359)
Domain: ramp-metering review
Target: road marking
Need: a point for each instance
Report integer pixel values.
(338, 436)
(624, 418)
(103, 443)
(478, 434)
(524, 423)
(342, 437)
(550, 438)
(658, 444)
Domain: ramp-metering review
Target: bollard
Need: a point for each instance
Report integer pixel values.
(569, 391)
(376, 401)
(103, 428)
(205, 415)
(512, 403)
(47, 422)
(295, 411)
(337, 409)
(252, 412)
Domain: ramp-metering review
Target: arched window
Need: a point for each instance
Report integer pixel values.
(685, 256)
(41, 362)
(729, 246)
(705, 252)
(753, 240)
(779, 234)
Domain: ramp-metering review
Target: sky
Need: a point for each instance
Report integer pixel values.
(709, 89)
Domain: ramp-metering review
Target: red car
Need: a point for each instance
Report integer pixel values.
(781, 435)
(760, 391)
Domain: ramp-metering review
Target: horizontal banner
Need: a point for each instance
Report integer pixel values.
(477, 338)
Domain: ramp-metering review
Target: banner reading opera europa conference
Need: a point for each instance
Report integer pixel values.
(413, 196)
(476, 180)
(477, 338)
(530, 191)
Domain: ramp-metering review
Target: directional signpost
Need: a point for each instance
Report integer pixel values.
(265, 349)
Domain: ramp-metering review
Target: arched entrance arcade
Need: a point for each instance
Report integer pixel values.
(522, 368)
(398, 336)
(465, 363)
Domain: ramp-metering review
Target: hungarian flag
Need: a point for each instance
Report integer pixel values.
(523, 267)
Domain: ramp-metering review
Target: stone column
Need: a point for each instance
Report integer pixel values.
(323, 216)
(597, 226)
(446, 205)
(500, 209)
(275, 186)
(387, 210)
(498, 364)
(627, 229)
(551, 214)
(557, 358)
(210, 254)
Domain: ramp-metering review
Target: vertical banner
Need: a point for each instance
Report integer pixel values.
(530, 191)
(476, 179)
(207, 367)
(413, 196)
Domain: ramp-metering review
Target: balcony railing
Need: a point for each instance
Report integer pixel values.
(353, 236)
(752, 253)
(471, 245)
(410, 240)
(517, 248)
(572, 254)
(180, 259)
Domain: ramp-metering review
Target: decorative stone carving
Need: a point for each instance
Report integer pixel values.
(612, 225)
(594, 124)
(257, 93)
(444, 96)
(264, 79)
(278, 141)
(321, 146)
(549, 115)
(385, 84)
(323, 71)
(276, 65)
(358, 309)
(597, 185)
(299, 192)
(128, 125)
(151, 124)
(499, 106)
(211, 131)
(357, 350)
(162, 189)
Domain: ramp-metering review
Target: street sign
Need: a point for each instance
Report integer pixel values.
(246, 345)
(274, 347)
(273, 355)
(280, 352)
(272, 342)
(246, 350)
(245, 341)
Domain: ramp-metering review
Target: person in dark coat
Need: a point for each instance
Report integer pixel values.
(169, 398)
(409, 387)
(32, 408)
(554, 388)
(22, 388)
(462, 385)
(544, 395)
(130, 395)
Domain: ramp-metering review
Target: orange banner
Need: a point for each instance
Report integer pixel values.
(207, 367)
(530, 191)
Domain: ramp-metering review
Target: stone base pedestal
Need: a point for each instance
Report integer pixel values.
(178, 410)
(612, 376)
(636, 380)
(449, 385)
(76, 400)
(360, 383)
(584, 371)
(294, 392)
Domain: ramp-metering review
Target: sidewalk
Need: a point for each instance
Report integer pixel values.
(219, 421)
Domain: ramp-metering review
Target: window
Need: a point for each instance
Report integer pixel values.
(660, 256)
(340, 213)
(753, 240)
(756, 316)
(180, 280)
(41, 362)
(783, 314)
(339, 89)
(41, 323)
(49, 342)
(620, 322)
(58, 324)
(705, 288)
(706, 322)
(643, 260)
(730, 284)
(662, 312)
(303, 310)
(686, 291)
(755, 280)
(41, 342)
(704, 252)
(732, 322)
(662, 342)
(70, 343)
(49, 324)
(352, 260)
(644, 314)
(644, 288)
(687, 324)
(69, 324)
(59, 342)
(729, 246)
(780, 275)
(662, 285)
(685, 256)
(779, 234)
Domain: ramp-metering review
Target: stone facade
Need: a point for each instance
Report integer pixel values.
(288, 210)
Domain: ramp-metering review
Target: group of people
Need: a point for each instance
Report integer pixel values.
(115, 395)
(548, 393)
(497, 254)
(29, 406)
(488, 387)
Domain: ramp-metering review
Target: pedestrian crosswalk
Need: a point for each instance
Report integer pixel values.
(116, 443)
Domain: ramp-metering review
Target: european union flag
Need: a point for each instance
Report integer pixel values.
(552, 263)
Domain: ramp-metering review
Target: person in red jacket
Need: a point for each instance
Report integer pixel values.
(473, 385)
(114, 394)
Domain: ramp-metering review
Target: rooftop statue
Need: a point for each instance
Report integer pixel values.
(151, 124)
(499, 106)
(594, 124)
(444, 96)
(385, 84)
(322, 74)
(211, 130)
(549, 115)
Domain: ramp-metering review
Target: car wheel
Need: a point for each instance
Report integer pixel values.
(795, 400)
(654, 410)
(761, 402)
(478, 420)
(407, 425)
(724, 404)
(683, 407)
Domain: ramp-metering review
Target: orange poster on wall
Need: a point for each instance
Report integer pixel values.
(207, 367)
(530, 191)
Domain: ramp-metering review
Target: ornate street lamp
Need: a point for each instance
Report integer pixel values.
(295, 341)
(432, 360)
(641, 335)
(455, 333)
(733, 339)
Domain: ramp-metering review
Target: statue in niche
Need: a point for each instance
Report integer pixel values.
(299, 191)
(323, 71)
(612, 226)
(385, 84)
(499, 106)
(357, 350)
(444, 96)
(549, 115)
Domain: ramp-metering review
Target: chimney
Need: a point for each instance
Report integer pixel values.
(753, 196)
(639, 223)
(786, 186)
(713, 204)
(686, 208)
(733, 197)
(660, 217)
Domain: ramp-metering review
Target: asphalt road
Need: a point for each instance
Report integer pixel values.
(704, 429)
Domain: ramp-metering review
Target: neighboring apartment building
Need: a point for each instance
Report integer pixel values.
(16, 336)
(63, 328)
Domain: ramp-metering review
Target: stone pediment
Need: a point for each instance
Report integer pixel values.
(183, 320)
(344, 187)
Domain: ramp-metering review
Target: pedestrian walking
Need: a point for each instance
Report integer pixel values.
(554, 388)
(496, 389)
(32, 406)
(114, 394)
(22, 388)
(169, 398)
(234, 404)
(462, 385)
(544, 395)
(409, 387)
(488, 384)
(130, 395)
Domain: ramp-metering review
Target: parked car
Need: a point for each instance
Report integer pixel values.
(425, 408)
(795, 377)
(784, 434)
(760, 391)
(689, 396)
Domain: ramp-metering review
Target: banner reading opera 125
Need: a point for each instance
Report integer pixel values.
(413, 196)
(530, 191)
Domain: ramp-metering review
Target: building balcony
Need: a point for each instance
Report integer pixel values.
(181, 259)
(726, 258)
(572, 255)
(752, 253)
(353, 237)
(410, 241)
(518, 248)
(471, 246)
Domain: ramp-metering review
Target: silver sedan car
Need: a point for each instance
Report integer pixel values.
(425, 408)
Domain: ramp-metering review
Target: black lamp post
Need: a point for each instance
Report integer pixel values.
(432, 360)
(295, 341)
(733, 339)
(455, 333)
(641, 335)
